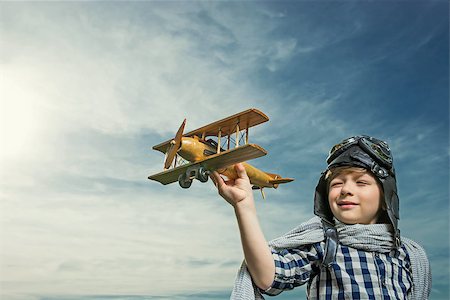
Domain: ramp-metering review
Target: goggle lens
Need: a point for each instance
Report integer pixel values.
(341, 147)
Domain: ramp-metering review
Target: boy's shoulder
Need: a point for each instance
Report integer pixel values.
(414, 248)
(420, 268)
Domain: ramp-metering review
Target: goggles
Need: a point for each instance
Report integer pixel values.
(377, 149)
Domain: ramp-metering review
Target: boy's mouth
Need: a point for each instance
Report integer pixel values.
(346, 204)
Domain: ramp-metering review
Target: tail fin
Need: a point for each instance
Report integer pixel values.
(281, 180)
(277, 179)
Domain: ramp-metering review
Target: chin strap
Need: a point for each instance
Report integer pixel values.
(331, 243)
(398, 241)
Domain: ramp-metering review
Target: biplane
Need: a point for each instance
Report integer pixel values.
(215, 147)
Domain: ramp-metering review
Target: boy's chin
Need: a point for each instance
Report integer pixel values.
(347, 222)
(354, 221)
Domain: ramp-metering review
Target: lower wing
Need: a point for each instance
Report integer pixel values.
(212, 162)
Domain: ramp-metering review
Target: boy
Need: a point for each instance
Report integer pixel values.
(351, 250)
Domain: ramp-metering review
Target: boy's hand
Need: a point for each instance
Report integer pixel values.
(235, 191)
(258, 257)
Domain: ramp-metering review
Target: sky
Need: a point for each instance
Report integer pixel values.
(87, 88)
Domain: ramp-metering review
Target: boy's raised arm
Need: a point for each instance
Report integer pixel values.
(258, 257)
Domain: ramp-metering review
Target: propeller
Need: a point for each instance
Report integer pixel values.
(175, 145)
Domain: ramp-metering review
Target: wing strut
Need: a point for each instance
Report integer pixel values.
(218, 140)
(246, 135)
(237, 135)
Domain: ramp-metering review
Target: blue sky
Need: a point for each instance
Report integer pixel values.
(87, 88)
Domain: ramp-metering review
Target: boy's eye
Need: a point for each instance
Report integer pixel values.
(335, 183)
(361, 182)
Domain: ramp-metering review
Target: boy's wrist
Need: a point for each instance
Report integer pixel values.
(246, 206)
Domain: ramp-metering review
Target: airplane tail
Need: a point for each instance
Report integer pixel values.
(277, 180)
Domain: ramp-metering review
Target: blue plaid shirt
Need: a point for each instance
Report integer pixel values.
(355, 274)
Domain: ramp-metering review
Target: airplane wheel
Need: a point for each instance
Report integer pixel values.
(184, 182)
(202, 174)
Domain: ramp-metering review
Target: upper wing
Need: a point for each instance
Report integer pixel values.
(246, 119)
(213, 162)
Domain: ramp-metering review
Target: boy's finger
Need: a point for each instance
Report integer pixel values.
(240, 170)
(218, 180)
(213, 179)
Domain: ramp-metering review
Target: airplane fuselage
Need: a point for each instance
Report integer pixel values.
(193, 150)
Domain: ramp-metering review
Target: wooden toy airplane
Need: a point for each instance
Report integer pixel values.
(202, 156)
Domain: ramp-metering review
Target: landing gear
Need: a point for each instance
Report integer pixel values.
(202, 174)
(184, 181)
(199, 173)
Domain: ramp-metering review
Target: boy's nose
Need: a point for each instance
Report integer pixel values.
(346, 189)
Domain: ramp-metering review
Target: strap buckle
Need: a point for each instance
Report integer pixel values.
(331, 243)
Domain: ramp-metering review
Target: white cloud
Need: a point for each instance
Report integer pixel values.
(124, 243)
(76, 97)
(280, 52)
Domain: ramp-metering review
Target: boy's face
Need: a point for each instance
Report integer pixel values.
(354, 197)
